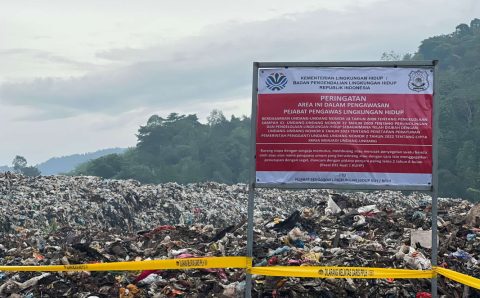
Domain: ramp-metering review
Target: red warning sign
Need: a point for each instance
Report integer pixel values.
(360, 126)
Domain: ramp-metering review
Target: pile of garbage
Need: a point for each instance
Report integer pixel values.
(73, 220)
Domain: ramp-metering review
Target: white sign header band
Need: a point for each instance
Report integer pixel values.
(346, 80)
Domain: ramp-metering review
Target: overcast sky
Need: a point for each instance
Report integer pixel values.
(78, 76)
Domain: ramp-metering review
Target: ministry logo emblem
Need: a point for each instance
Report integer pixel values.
(276, 81)
(418, 80)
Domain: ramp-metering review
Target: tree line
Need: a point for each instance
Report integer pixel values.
(179, 148)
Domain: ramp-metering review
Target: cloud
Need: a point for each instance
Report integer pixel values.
(38, 141)
(46, 57)
(216, 64)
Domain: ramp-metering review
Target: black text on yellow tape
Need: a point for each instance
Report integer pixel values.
(190, 263)
(340, 272)
(245, 262)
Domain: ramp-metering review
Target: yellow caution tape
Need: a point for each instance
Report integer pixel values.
(340, 272)
(245, 263)
(459, 277)
(187, 263)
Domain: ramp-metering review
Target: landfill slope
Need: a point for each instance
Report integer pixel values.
(71, 220)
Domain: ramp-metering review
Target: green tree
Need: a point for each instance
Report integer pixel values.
(216, 117)
(462, 29)
(31, 171)
(20, 165)
(106, 166)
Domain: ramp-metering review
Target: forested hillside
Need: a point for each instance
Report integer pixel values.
(459, 84)
(180, 148)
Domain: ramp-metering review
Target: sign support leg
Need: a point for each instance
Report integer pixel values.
(434, 243)
(435, 179)
(251, 198)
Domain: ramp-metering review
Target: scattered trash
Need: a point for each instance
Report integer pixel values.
(332, 207)
(461, 254)
(473, 216)
(289, 223)
(413, 258)
(421, 238)
(423, 295)
(74, 220)
(130, 291)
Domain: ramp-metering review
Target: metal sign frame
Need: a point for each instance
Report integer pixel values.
(433, 189)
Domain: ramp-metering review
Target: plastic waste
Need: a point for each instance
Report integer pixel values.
(279, 251)
(423, 295)
(332, 207)
(368, 209)
(461, 254)
(471, 237)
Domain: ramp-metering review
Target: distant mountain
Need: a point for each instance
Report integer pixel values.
(5, 169)
(64, 164)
